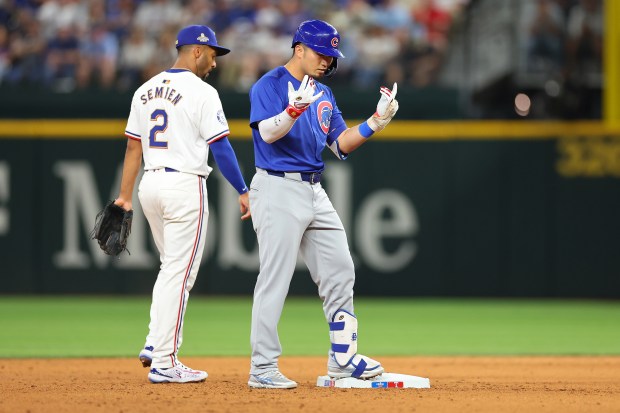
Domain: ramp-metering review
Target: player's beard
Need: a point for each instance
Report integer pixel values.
(206, 75)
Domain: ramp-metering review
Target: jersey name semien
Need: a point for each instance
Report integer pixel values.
(180, 98)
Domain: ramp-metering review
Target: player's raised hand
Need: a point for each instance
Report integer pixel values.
(299, 100)
(387, 96)
(386, 108)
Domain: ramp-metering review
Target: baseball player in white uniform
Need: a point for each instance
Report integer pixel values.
(175, 119)
(293, 119)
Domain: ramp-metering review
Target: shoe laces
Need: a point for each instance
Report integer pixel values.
(279, 375)
(274, 374)
(182, 366)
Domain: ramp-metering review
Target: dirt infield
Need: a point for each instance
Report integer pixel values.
(458, 384)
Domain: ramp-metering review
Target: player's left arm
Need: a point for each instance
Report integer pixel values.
(131, 168)
(227, 162)
(352, 138)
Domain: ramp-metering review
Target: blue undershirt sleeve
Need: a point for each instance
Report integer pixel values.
(227, 162)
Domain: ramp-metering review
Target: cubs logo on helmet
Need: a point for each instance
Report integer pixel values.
(324, 113)
(321, 37)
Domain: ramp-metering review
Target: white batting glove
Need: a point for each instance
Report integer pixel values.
(299, 100)
(386, 109)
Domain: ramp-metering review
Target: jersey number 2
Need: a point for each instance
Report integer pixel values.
(154, 143)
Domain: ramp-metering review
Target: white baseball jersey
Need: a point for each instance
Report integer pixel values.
(176, 97)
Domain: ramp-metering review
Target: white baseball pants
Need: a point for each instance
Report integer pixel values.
(175, 205)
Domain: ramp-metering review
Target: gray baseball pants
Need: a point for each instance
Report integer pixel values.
(292, 216)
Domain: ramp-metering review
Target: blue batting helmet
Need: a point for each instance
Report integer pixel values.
(200, 35)
(321, 37)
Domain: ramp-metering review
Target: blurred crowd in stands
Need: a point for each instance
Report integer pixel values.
(561, 55)
(116, 44)
(67, 45)
(563, 37)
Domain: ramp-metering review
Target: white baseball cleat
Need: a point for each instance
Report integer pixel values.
(272, 379)
(146, 356)
(177, 374)
(360, 367)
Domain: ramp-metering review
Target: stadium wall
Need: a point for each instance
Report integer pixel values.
(509, 209)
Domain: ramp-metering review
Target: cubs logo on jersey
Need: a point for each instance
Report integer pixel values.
(324, 113)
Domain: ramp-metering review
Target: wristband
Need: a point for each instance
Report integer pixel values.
(365, 130)
(293, 112)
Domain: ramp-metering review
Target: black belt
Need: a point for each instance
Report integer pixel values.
(311, 177)
(174, 170)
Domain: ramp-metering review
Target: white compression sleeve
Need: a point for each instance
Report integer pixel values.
(275, 127)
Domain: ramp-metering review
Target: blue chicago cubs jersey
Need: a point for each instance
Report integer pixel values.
(300, 149)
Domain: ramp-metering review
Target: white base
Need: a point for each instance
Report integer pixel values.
(382, 381)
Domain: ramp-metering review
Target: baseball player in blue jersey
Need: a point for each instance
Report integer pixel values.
(293, 118)
(176, 119)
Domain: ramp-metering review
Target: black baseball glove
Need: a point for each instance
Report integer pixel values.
(112, 228)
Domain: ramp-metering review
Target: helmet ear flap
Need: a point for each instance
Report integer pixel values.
(332, 68)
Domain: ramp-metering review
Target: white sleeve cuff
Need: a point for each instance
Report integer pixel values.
(275, 127)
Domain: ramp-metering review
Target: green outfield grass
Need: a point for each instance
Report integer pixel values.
(220, 326)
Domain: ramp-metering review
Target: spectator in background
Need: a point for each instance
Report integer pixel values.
(409, 36)
(157, 16)
(57, 14)
(136, 53)
(226, 13)
(390, 15)
(543, 23)
(98, 57)
(62, 60)
(96, 13)
(583, 72)
(241, 73)
(6, 13)
(376, 47)
(436, 22)
(352, 19)
(272, 43)
(293, 14)
(119, 17)
(196, 12)
(430, 44)
(5, 55)
(585, 40)
(164, 55)
(268, 15)
(27, 51)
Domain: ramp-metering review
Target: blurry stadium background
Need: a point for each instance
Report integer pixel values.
(498, 178)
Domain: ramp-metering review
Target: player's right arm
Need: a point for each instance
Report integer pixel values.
(131, 167)
(133, 158)
(215, 127)
(227, 162)
(273, 128)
